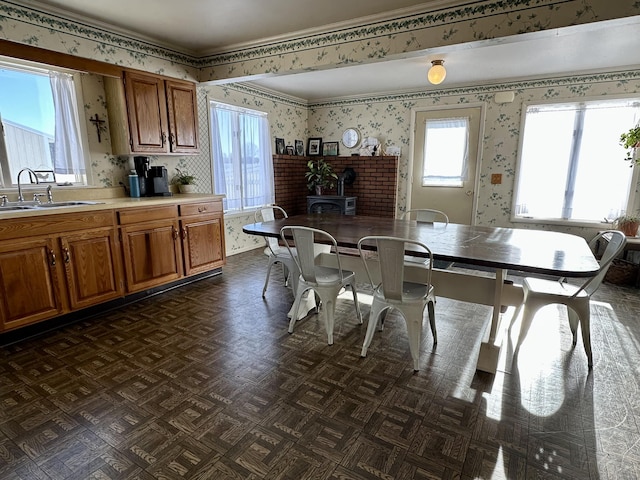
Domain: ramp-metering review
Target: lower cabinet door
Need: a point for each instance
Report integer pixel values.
(31, 280)
(92, 267)
(203, 245)
(151, 254)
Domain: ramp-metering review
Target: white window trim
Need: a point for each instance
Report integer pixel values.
(34, 67)
(635, 179)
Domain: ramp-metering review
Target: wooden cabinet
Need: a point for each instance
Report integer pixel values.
(30, 282)
(59, 263)
(64, 264)
(202, 232)
(151, 247)
(92, 267)
(150, 114)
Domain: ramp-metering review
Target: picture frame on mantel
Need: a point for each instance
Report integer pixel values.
(299, 144)
(314, 147)
(330, 149)
(279, 146)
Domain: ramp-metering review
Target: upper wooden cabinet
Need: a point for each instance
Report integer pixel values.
(150, 114)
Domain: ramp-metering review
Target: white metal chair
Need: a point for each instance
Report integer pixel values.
(326, 282)
(274, 251)
(391, 291)
(426, 215)
(539, 293)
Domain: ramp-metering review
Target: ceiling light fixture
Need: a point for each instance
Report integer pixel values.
(436, 73)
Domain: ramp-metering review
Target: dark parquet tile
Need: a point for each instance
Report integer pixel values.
(204, 382)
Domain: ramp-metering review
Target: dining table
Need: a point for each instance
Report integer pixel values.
(486, 252)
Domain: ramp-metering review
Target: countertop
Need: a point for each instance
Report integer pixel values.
(112, 203)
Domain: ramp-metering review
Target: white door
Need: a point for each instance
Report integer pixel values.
(445, 157)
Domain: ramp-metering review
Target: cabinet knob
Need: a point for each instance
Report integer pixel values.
(172, 139)
(184, 232)
(174, 231)
(67, 256)
(202, 209)
(164, 138)
(52, 256)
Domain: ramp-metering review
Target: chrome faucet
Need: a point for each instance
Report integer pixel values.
(49, 194)
(20, 196)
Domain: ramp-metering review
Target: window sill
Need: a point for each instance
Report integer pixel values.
(564, 223)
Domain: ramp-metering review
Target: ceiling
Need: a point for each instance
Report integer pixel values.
(202, 27)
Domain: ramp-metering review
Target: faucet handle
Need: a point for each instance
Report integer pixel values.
(3, 200)
(49, 194)
(36, 197)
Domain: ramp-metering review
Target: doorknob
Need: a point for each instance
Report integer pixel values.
(469, 193)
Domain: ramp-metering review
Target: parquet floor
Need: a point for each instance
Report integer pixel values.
(203, 382)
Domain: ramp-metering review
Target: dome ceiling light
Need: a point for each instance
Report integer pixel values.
(437, 72)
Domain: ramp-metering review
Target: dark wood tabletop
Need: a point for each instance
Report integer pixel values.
(525, 250)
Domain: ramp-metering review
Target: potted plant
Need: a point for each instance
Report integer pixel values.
(184, 180)
(320, 175)
(631, 141)
(628, 224)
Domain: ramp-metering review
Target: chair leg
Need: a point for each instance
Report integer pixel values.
(374, 314)
(529, 310)
(266, 280)
(573, 324)
(432, 321)
(414, 327)
(329, 314)
(355, 301)
(296, 307)
(584, 314)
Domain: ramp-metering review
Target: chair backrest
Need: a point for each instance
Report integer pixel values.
(268, 214)
(391, 252)
(304, 239)
(426, 215)
(615, 240)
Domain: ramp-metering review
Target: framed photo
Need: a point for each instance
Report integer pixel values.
(314, 147)
(299, 147)
(330, 149)
(280, 146)
(290, 150)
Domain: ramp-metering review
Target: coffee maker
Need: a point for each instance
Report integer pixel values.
(154, 180)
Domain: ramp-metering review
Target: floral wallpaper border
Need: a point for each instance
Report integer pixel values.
(415, 32)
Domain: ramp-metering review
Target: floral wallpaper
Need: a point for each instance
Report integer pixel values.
(386, 117)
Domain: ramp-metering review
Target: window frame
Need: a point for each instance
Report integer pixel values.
(243, 210)
(43, 69)
(634, 184)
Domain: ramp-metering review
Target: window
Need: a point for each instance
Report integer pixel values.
(242, 158)
(40, 125)
(446, 151)
(571, 165)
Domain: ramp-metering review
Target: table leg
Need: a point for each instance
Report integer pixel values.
(489, 351)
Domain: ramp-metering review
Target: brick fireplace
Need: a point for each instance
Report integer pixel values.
(375, 184)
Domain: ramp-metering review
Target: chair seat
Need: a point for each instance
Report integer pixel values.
(411, 292)
(328, 275)
(552, 288)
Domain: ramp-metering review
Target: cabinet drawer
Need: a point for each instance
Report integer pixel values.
(139, 215)
(202, 208)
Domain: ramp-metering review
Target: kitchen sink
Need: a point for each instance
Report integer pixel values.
(13, 208)
(65, 204)
(16, 206)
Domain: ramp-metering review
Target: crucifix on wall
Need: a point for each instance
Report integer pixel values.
(98, 124)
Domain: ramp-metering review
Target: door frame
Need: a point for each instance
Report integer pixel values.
(476, 182)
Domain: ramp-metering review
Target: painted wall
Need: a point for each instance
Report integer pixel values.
(386, 117)
(389, 119)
